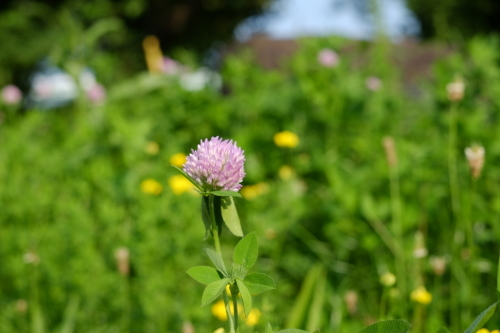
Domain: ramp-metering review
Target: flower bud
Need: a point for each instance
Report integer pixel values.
(122, 257)
(456, 89)
(475, 157)
(187, 327)
(438, 265)
(31, 257)
(21, 306)
(351, 301)
(388, 279)
(390, 151)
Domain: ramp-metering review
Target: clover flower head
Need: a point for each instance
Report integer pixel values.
(11, 94)
(217, 165)
(328, 58)
(373, 83)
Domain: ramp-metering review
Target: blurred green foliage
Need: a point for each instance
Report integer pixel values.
(70, 195)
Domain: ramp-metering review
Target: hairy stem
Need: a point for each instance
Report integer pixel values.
(215, 234)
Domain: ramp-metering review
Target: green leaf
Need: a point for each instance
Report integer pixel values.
(70, 314)
(188, 178)
(217, 260)
(443, 330)
(245, 295)
(300, 306)
(317, 303)
(204, 274)
(388, 326)
(482, 319)
(226, 194)
(292, 330)
(205, 216)
(246, 251)
(269, 328)
(230, 216)
(258, 283)
(213, 290)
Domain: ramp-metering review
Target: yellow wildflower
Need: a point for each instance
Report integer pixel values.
(152, 148)
(219, 310)
(220, 330)
(495, 331)
(178, 159)
(253, 317)
(388, 279)
(286, 172)
(250, 192)
(179, 184)
(421, 295)
(286, 139)
(151, 186)
(484, 330)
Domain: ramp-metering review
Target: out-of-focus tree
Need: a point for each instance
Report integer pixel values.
(451, 18)
(31, 30)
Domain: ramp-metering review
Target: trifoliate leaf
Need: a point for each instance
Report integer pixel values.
(246, 251)
(217, 260)
(258, 283)
(204, 274)
(213, 290)
(245, 295)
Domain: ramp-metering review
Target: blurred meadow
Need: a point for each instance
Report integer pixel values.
(372, 168)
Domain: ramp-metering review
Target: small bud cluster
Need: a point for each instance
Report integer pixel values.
(475, 157)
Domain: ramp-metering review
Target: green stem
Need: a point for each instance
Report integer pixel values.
(234, 295)
(455, 205)
(397, 225)
(228, 312)
(452, 164)
(215, 234)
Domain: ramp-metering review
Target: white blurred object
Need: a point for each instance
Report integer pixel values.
(200, 79)
(51, 87)
(87, 79)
